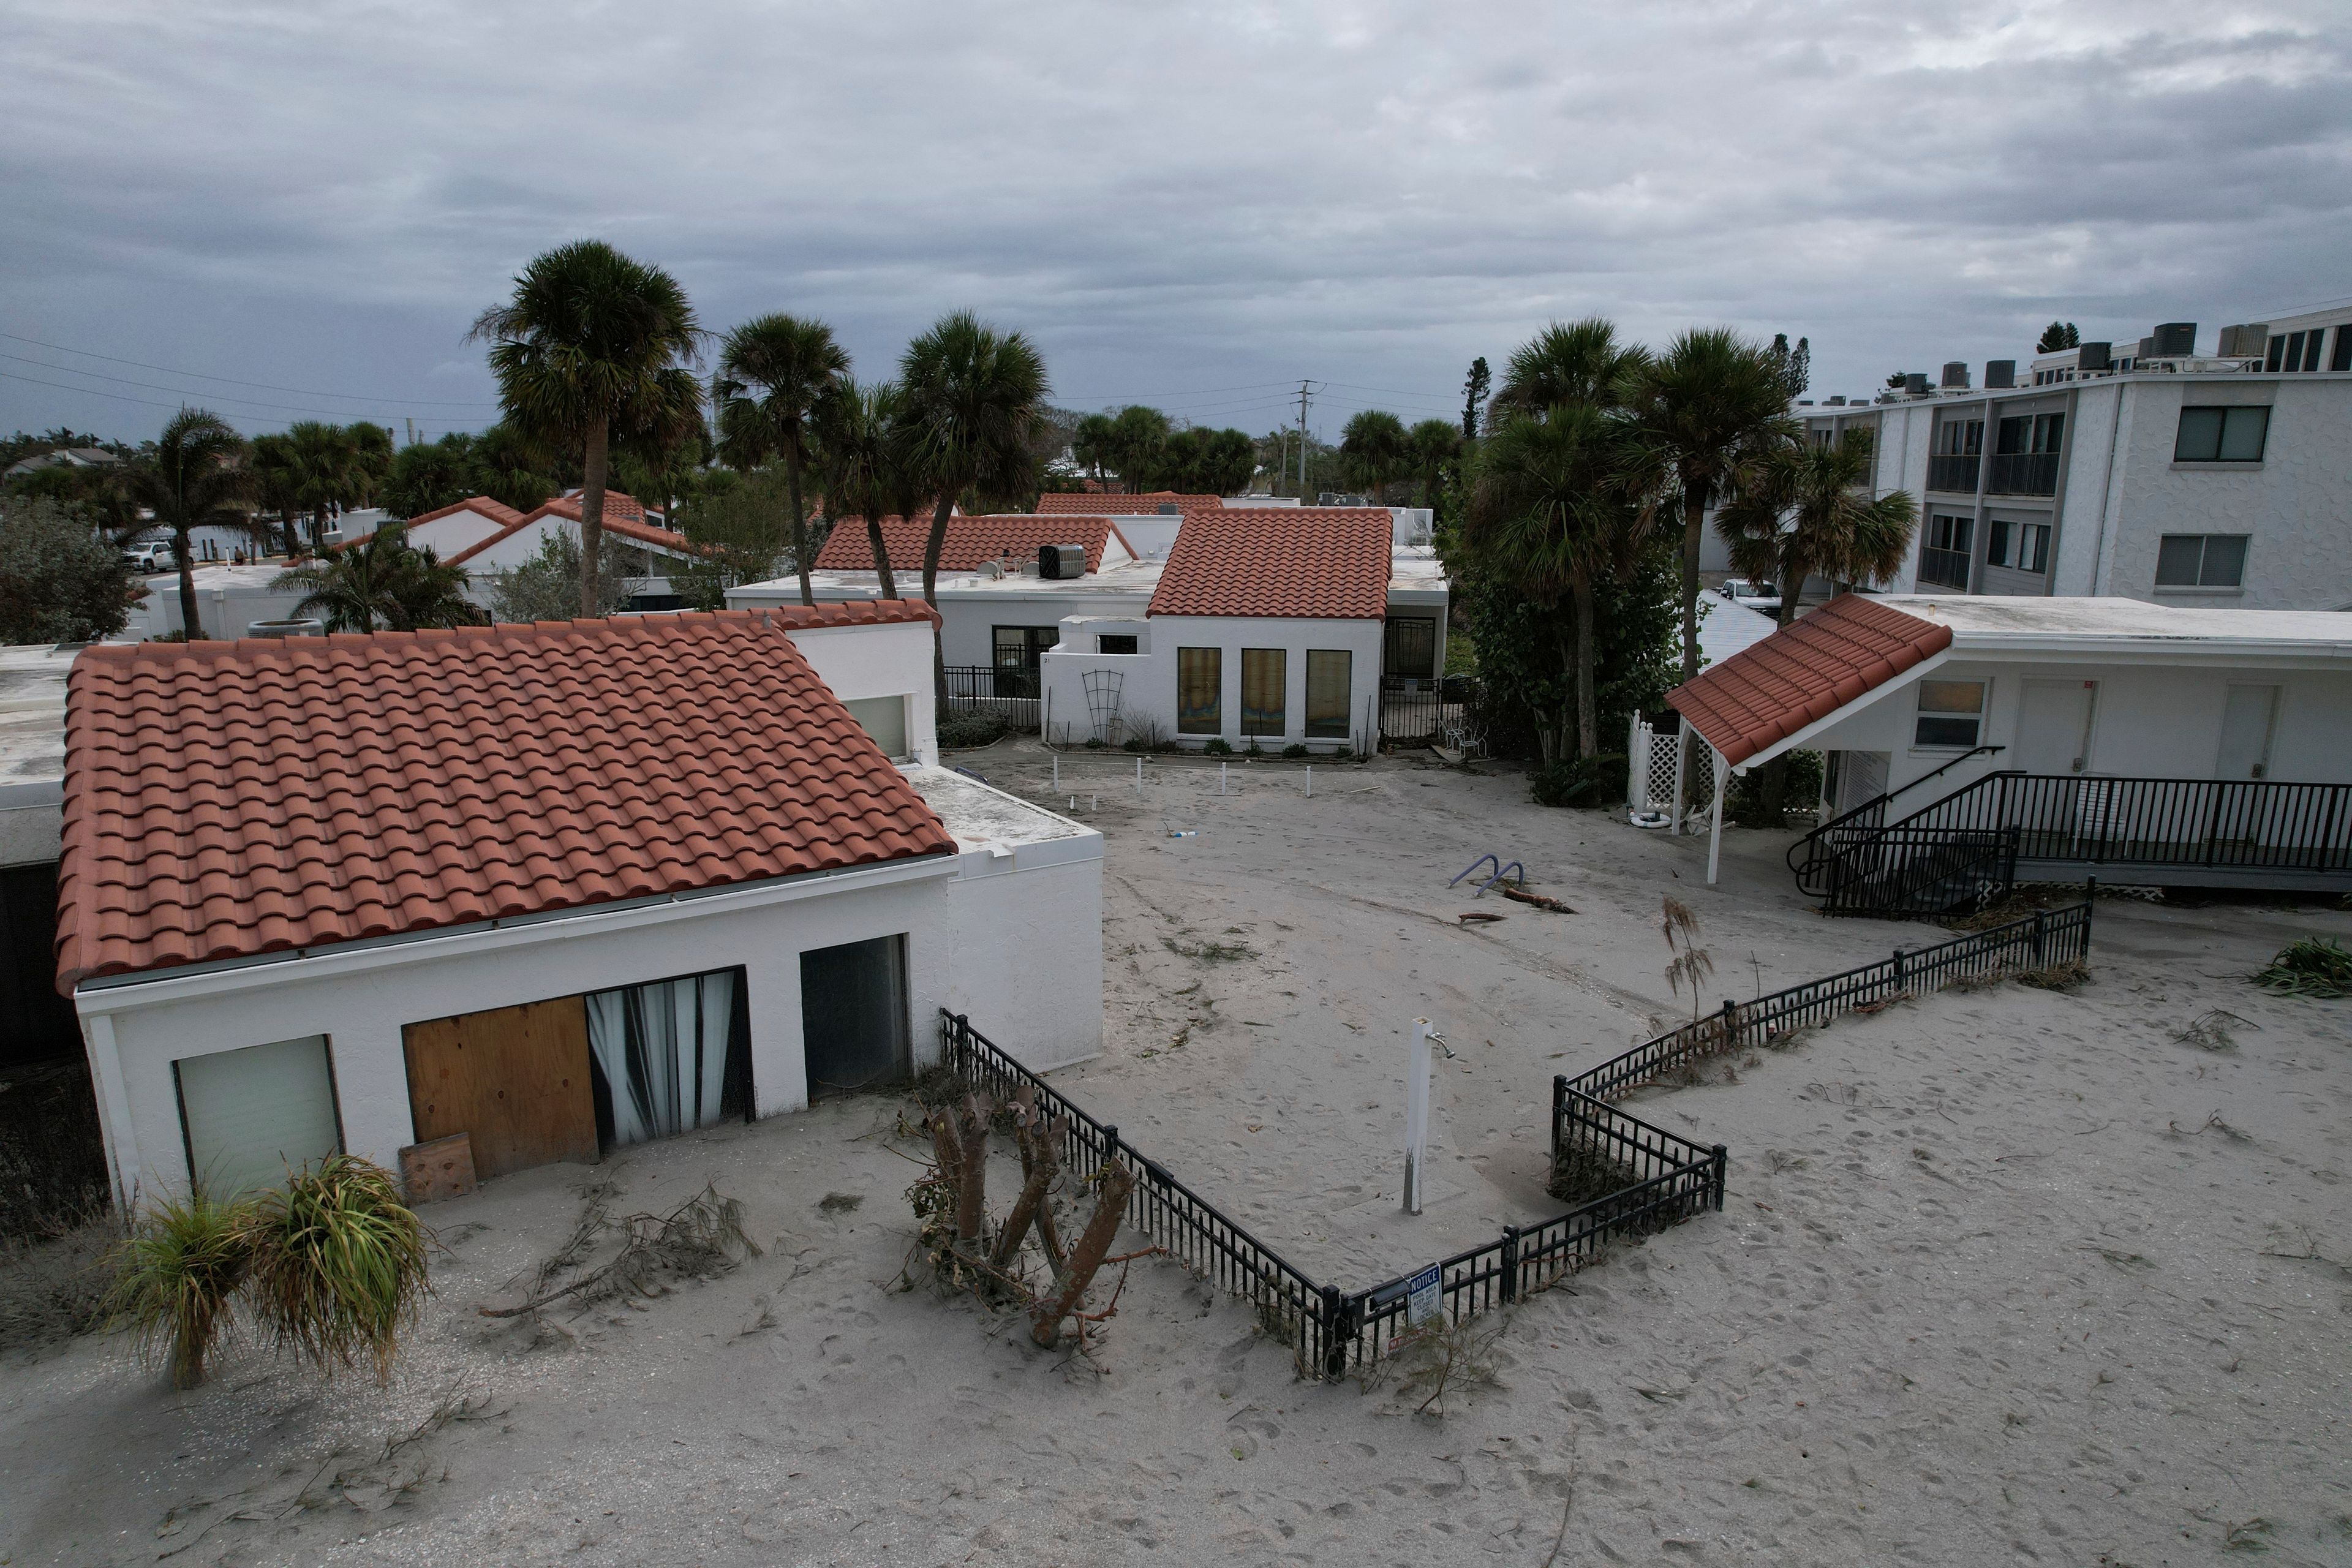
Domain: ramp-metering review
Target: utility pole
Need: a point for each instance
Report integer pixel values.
(1304, 388)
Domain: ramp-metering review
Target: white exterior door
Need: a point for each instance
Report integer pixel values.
(2248, 718)
(2054, 727)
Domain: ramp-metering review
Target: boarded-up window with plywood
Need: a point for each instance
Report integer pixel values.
(514, 1079)
(249, 1116)
(1200, 691)
(1329, 670)
(1265, 680)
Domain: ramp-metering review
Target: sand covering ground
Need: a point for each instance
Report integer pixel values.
(2004, 1275)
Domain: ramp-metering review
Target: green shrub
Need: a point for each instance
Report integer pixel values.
(1294, 750)
(1585, 782)
(1094, 742)
(980, 727)
(337, 1263)
(1743, 802)
(1218, 747)
(176, 1282)
(1254, 749)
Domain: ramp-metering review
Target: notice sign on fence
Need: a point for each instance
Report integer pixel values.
(1424, 1296)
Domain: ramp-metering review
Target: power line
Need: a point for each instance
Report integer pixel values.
(151, 403)
(156, 386)
(232, 381)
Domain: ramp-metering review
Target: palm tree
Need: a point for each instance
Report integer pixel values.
(588, 352)
(321, 467)
(193, 479)
(862, 462)
(278, 486)
(1433, 443)
(1551, 513)
(1375, 447)
(1569, 362)
(974, 403)
(789, 364)
(1809, 513)
(1709, 408)
(382, 582)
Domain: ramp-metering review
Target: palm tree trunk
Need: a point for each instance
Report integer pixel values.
(1588, 707)
(931, 548)
(591, 518)
(800, 521)
(1694, 530)
(191, 624)
(881, 558)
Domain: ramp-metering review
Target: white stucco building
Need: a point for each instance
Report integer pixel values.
(2150, 471)
(560, 888)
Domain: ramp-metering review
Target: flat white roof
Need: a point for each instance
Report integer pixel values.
(1412, 569)
(981, 816)
(32, 718)
(1981, 619)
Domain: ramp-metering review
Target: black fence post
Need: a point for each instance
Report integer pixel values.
(1722, 1160)
(1558, 1109)
(1335, 1343)
(1510, 1264)
(2038, 938)
(1898, 968)
(1730, 1024)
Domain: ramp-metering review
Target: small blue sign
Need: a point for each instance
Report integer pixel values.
(1424, 1296)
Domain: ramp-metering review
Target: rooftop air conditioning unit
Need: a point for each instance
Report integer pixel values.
(2000, 373)
(1956, 376)
(1061, 561)
(1914, 383)
(1170, 509)
(1838, 402)
(286, 630)
(2247, 342)
(2095, 357)
(2174, 339)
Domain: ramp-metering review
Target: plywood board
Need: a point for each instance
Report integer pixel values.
(514, 1079)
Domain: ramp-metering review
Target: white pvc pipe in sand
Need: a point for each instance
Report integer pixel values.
(1416, 1113)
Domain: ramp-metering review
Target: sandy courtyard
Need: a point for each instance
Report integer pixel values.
(2003, 1275)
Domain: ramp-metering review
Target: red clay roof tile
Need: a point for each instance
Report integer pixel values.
(1304, 561)
(1145, 504)
(1805, 672)
(971, 542)
(497, 511)
(228, 799)
(624, 518)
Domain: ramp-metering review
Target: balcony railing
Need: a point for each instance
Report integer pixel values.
(2023, 474)
(1944, 568)
(1955, 472)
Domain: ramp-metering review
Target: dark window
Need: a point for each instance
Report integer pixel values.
(854, 1024)
(2234, 435)
(2200, 561)
(1944, 553)
(2342, 358)
(1408, 645)
(1110, 642)
(2011, 432)
(1265, 678)
(2278, 348)
(2033, 547)
(1951, 714)
(1200, 691)
(2049, 431)
(1017, 648)
(1997, 532)
(1328, 672)
(1960, 437)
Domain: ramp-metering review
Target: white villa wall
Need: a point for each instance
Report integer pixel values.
(525, 544)
(2150, 721)
(1011, 939)
(457, 530)
(229, 600)
(888, 660)
(1149, 687)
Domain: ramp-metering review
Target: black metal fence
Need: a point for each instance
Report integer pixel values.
(2045, 937)
(1012, 695)
(1440, 710)
(1333, 1332)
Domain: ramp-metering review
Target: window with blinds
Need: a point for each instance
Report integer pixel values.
(1264, 677)
(1328, 693)
(1200, 691)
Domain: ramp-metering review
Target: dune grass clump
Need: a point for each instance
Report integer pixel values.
(337, 1264)
(177, 1281)
(2315, 966)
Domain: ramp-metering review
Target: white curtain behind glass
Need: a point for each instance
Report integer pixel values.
(663, 1050)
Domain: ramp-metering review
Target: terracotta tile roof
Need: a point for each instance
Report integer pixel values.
(973, 542)
(233, 798)
(497, 511)
(1133, 505)
(1305, 561)
(624, 517)
(1803, 672)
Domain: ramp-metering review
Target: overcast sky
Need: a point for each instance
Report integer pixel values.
(1188, 204)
